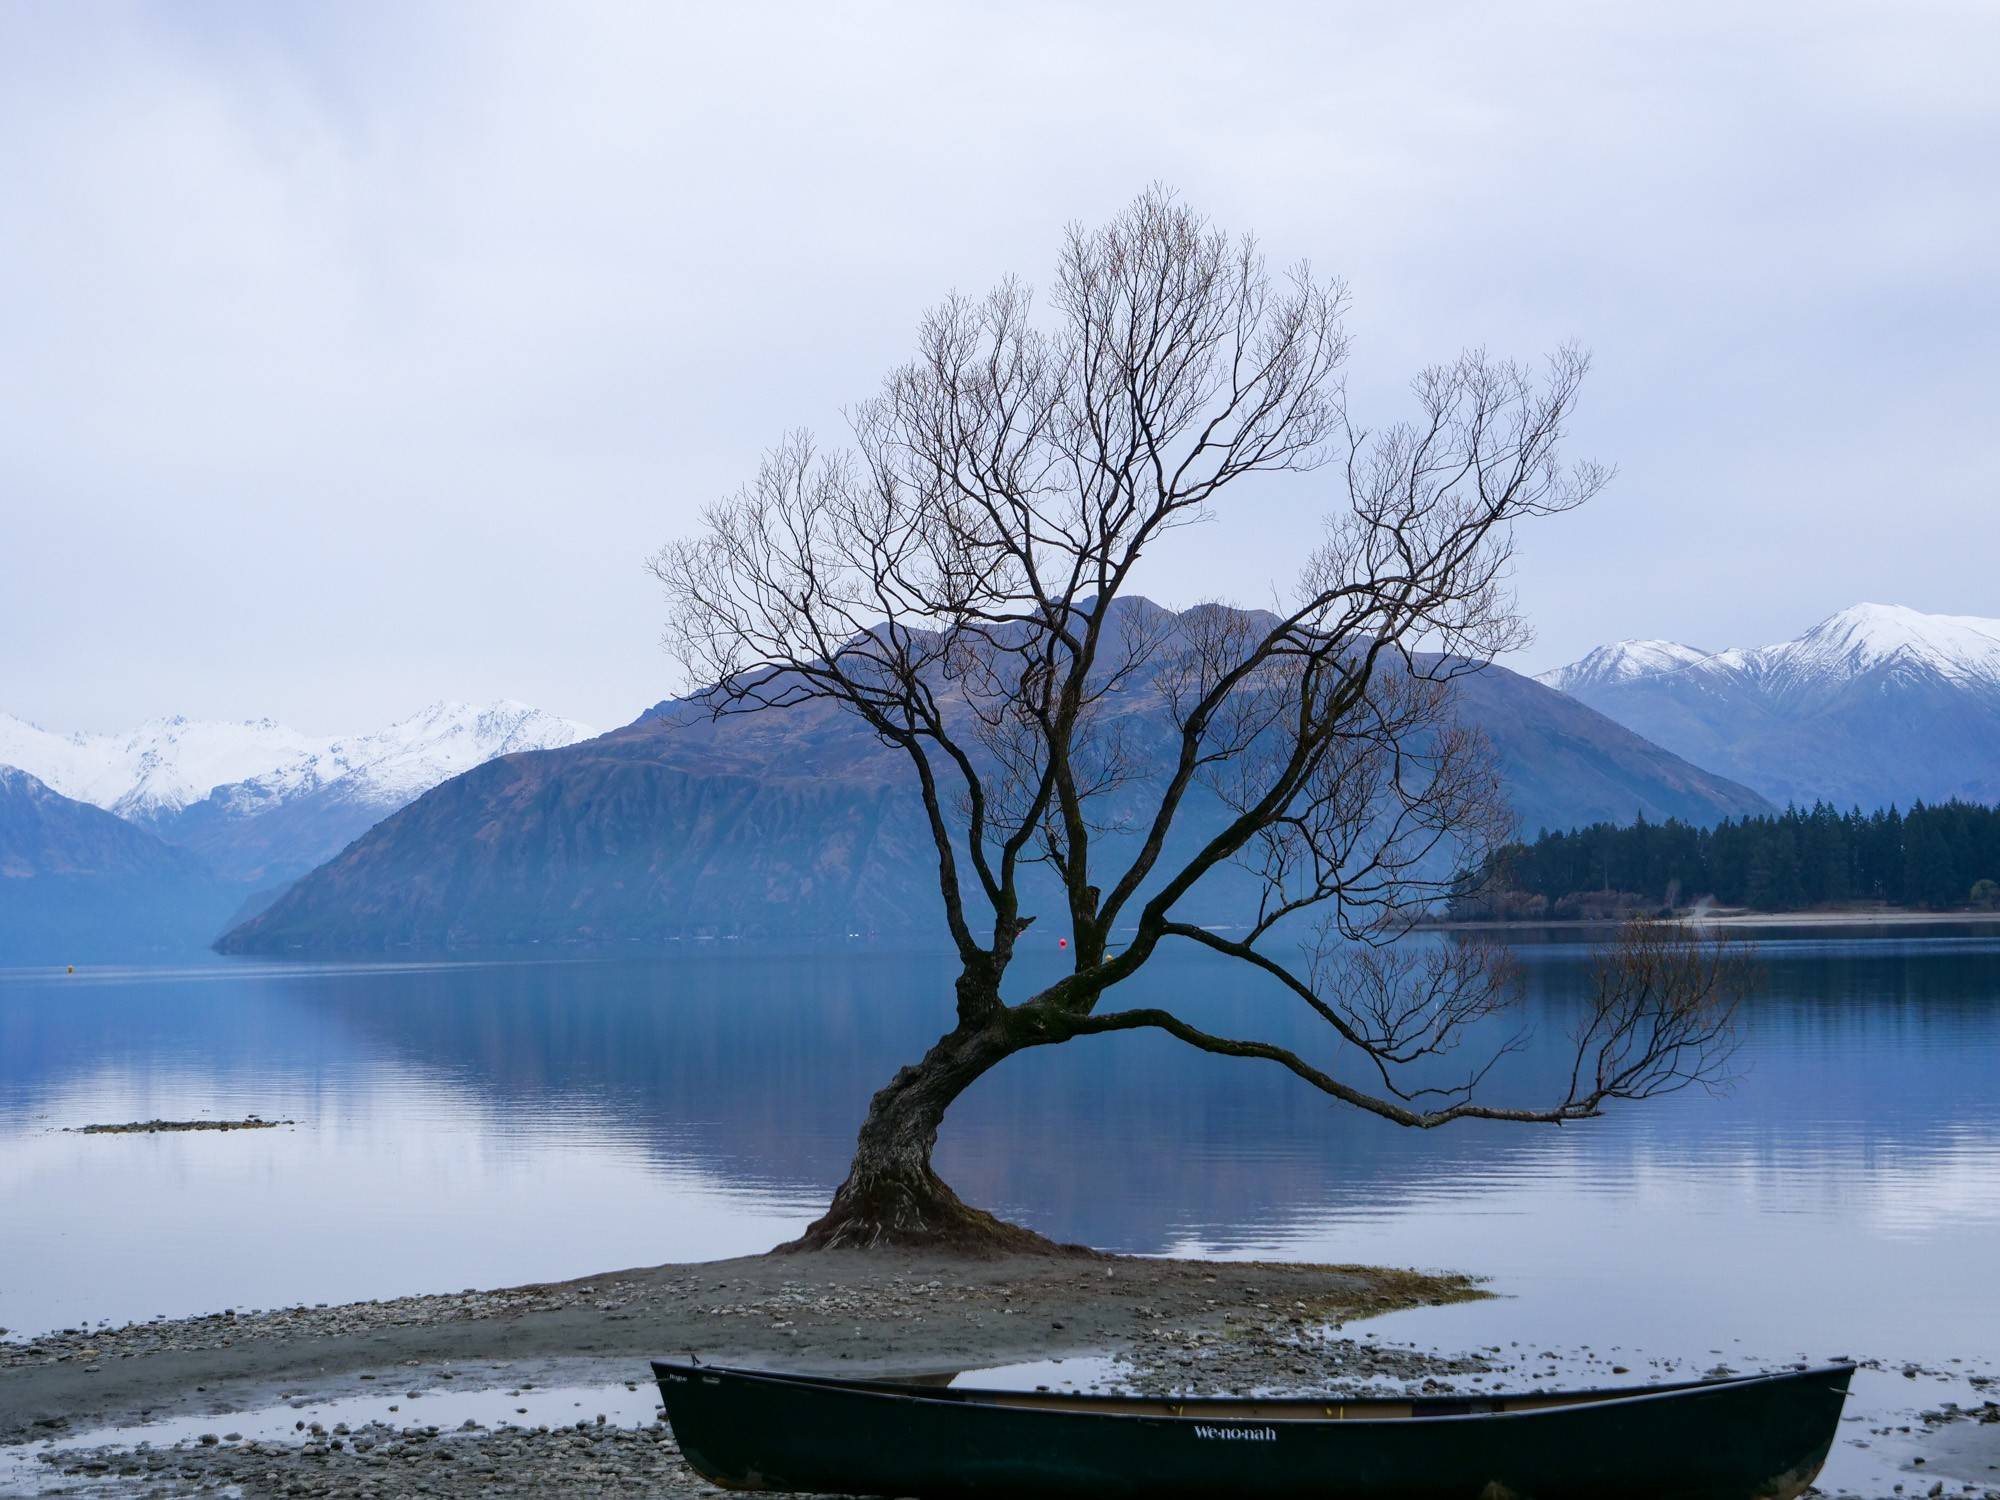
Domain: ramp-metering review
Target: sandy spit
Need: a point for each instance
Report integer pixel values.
(1233, 1324)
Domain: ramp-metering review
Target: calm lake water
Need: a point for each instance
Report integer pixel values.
(485, 1124)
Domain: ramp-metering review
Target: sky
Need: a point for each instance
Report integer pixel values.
(354, 356)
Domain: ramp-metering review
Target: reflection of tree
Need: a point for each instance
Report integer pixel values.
(1872, 1063)
(1177, 1138)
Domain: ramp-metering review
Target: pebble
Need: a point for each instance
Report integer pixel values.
(1241, 1330)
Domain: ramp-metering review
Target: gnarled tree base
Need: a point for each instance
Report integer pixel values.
(925, 1215)
(892, 1199)
(957, 1230)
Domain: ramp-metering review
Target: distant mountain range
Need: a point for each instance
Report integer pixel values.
(228, 812)
(1878, 704)
(801, 823)
(77, 882)
(262, 803)
(494, 825)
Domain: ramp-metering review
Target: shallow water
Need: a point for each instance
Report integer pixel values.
(439, 1408)
(1879, 1435)
(1872, 1455)
(486, 1124)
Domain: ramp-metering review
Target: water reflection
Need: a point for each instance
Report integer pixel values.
(485, 1124)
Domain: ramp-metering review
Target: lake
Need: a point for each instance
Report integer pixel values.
(486, 1124)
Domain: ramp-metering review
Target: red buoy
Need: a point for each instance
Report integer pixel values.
(1062, 942)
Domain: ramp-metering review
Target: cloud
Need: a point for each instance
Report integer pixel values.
(355, 356)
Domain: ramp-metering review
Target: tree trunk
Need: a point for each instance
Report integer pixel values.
(891, 1196)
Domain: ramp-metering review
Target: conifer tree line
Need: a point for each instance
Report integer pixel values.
(1939, 857)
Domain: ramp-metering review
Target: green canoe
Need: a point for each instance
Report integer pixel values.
(1755, 1436)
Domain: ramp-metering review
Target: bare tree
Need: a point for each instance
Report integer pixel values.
(954, 580)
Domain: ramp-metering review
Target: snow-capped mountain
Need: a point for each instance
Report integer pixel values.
(1877, 704)
(1621, 663)
(159, 767)
(1871, 638)
(263, 803)
(391, 766)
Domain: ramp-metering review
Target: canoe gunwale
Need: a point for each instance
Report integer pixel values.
(1155, 1409)
(1728, 1439)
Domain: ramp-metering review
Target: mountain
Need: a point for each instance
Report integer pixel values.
(154, 770)
(1609, 665)
(1877, 704)
(261, 803)
(801, 823)
(276, 825)
(1565, 765)
(80, 884)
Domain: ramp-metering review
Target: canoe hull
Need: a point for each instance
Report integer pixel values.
(1754, 1439)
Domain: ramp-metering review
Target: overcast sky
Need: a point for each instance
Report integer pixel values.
(353, 356)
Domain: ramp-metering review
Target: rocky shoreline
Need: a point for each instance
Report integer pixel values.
(82, 1400)
(542, 1390)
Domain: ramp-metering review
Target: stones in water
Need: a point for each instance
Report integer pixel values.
(155, 1127)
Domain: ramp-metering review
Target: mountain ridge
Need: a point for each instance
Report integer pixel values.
(799, 821)
(1873, 705)
(159, 766)
(80, 883)
(263, 803)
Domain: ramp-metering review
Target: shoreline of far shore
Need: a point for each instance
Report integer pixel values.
(1730, 917)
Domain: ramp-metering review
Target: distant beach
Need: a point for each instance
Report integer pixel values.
(1874, 916)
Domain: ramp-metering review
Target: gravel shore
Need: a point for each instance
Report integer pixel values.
(544, 1390)
(1169, 1323)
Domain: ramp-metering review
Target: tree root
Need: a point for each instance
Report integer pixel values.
(900, 1215)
